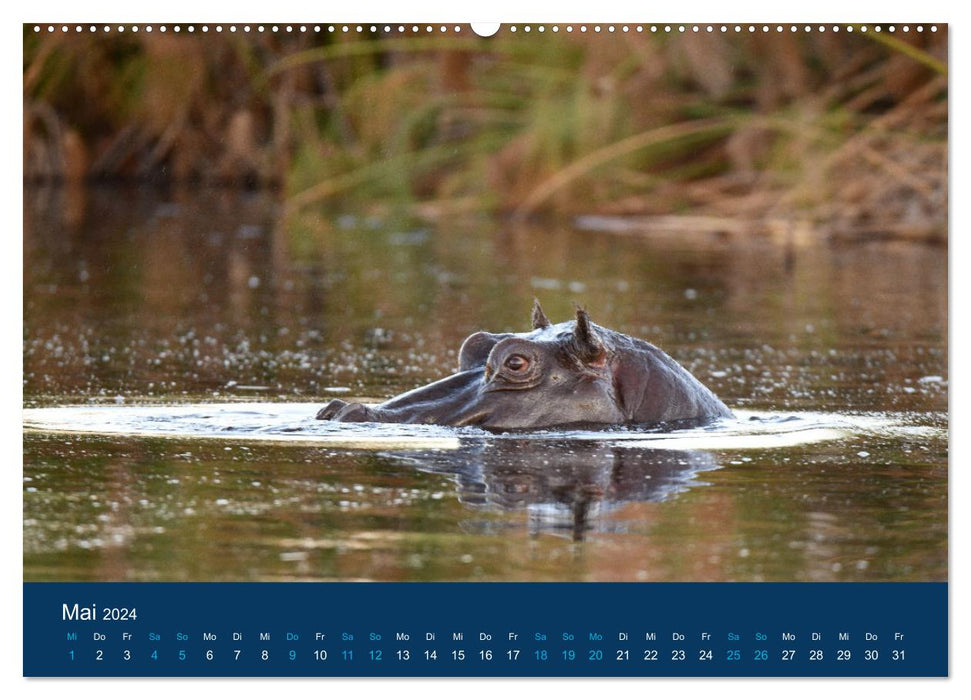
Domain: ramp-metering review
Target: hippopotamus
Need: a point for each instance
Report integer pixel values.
(574, 373)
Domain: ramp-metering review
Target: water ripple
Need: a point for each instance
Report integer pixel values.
(295, 423)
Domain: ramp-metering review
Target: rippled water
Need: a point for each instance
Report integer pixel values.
(289, 423)
(176, 348)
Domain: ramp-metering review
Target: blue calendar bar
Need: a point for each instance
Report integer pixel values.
(485, 629)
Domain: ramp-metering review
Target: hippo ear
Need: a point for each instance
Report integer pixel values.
(589, 348)
(476, 348)
(539, 318)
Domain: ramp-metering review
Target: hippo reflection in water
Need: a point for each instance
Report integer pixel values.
(572, 373)
(567, 487)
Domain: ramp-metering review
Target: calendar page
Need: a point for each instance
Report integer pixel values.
(512, 350)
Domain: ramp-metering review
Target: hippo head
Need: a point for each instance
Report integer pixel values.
(552, 375)
(572, 373)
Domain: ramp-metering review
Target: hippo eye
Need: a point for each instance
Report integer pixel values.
(516, 363)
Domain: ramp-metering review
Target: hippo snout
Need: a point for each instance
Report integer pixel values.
(344, 412)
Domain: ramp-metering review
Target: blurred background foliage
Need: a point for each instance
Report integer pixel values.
(846, 131)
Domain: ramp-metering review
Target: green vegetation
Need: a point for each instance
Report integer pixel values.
(847, 131)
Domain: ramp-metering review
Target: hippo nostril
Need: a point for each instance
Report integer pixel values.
(354, 413)
(331, 409)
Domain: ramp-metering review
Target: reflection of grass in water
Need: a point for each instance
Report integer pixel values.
(149, 509)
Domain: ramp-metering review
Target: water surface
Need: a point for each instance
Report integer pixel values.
(193, 335)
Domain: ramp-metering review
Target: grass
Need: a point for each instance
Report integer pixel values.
(527, 125)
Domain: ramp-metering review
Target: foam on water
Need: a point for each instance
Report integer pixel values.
(295, 423)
